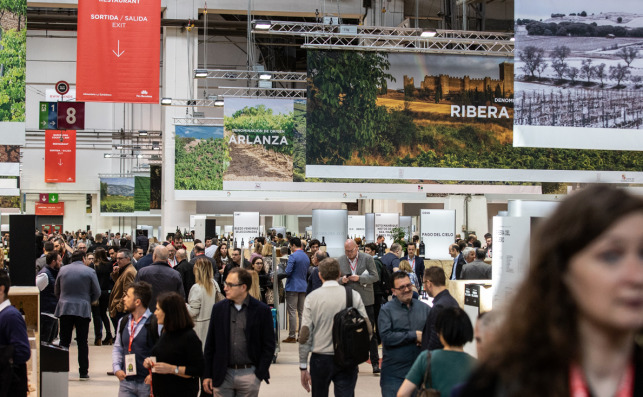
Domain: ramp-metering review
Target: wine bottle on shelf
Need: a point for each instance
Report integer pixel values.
(422, 248)
(380, 250)
(235, 243)
(242, 245)
(322, 246)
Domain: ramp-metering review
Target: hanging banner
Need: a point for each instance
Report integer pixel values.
(50, 209)
(331, 226)
(383, 225)
(437, 232)
(356, 226)
(118, 53)
(245, 227)
(60, 156)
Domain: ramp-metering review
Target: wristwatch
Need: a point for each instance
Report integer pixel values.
(176, 370)
(303, 367)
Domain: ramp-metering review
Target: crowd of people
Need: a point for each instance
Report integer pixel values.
(205, 325)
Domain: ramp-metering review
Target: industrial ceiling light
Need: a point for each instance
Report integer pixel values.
(107, 155)
(218, 101)
(512, 39)
(166, 101)
(265, 76)
(428, 33)
(142, 133)
(200, 73)
(262, 25)
(118, 147)
(156, 146)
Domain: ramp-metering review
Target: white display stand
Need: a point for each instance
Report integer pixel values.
(356, 226)
(369, 225)
(407, 223)
(245, 227)
(332, 226)
(437, 231)
(384, 222)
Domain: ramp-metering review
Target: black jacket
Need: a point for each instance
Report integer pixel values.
(458, 267)
(259, 334)
(186, 270)
(163, 279)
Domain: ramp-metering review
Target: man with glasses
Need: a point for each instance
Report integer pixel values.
(240, 344)
(123, 275)
(359, 273)
(400, 323)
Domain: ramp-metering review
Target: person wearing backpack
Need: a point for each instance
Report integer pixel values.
(321, 325)
(359, 273)
(136, 334)
(381, 288)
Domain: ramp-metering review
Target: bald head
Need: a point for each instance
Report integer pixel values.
(181, 255)
(160, 254)
(350, 249)
(199, 247)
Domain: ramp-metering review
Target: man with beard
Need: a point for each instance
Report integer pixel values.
(434, 284)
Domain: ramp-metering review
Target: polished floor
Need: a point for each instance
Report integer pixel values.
(284, 375)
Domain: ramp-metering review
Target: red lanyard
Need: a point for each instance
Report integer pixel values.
(353, 265)
(578, 386)
(133, 325)
(412, 264)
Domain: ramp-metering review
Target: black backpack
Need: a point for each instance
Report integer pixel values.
(384, 284)
(351, 341)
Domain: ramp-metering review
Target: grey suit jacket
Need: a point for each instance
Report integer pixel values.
(364, 287)
(76, 288)
(476, 270)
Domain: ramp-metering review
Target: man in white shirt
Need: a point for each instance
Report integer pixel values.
(316, 335)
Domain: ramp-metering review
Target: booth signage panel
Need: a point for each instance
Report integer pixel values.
(245, 227)
(50, 209)
(437, 229)
(118, 51)
(407, 223)
(48, 116)
(510, 255)
(60, 156)
(332, 226)
(384, 222)
(356, 226)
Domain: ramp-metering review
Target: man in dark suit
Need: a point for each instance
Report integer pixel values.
(241, 341)
(416, 262)
(359, 273)
(162, 277)
(458, 262)
(435, 286)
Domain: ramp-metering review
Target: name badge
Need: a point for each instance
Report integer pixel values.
(130, 365)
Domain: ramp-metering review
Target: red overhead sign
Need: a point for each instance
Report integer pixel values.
(50, 209)
(118, 53)
(60, 156)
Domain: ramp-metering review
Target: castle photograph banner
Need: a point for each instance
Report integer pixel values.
(579, 74)
(425, 118)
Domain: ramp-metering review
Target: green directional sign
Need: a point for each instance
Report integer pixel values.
(48, 116)
(53, 198)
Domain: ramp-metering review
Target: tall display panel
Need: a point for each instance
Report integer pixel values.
(332, 226)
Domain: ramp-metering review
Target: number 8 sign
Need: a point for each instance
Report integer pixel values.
(71, 115)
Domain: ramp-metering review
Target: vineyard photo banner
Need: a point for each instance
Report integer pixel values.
(579, 75)
(256, 143)
(424, 118)
(117, 196)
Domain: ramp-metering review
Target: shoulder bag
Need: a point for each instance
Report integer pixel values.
(424, 390)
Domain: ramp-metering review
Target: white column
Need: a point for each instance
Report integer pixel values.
(177, 82)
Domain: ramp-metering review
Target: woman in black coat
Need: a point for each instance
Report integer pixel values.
(179, 359)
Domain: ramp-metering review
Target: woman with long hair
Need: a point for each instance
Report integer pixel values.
(254, 290)
(202, 296)
(258, 249)
(179, 357)
(103, 269)
(572, 328)
(264, 279)
(221, 257)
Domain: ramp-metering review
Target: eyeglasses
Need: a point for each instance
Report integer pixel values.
(408, 286)
(226, 284)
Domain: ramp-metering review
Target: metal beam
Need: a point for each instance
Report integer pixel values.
(230, 74)
(394, 39)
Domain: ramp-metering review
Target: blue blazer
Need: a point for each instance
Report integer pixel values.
(260, 336)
